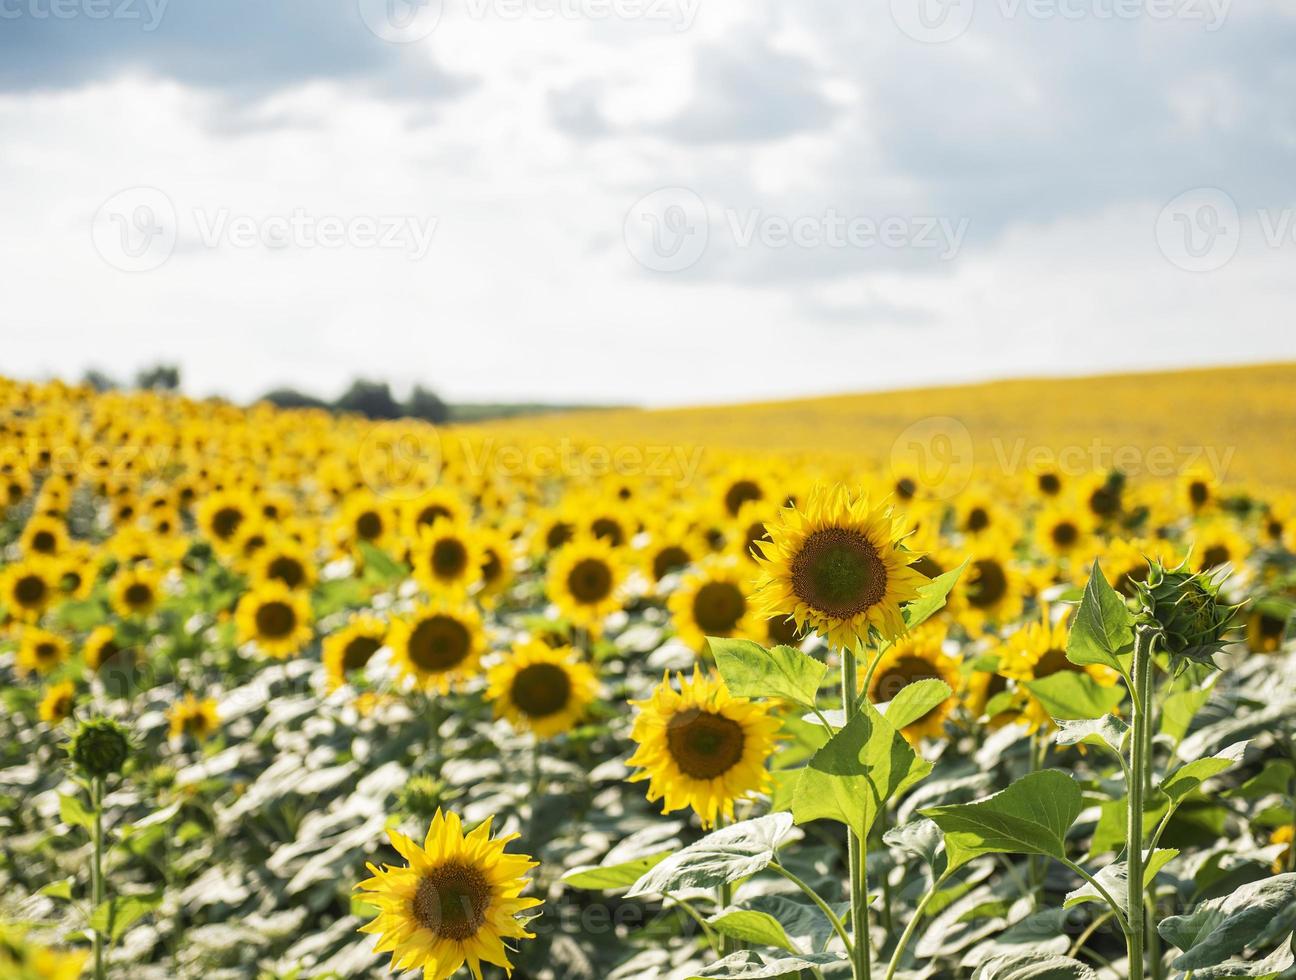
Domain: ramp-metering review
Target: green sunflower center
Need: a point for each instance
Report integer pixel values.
(449, 558)
(717, 607)
(988, 585)
(30, 590)
(704, 745)
(452, 900)
(839, 573)
(590, 581)
(286, 569)
(275, 619)
(438, 643)
(358, 652)
(669, 559)
(539, 690)
(739, 493)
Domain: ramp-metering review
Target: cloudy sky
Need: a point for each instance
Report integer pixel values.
(650, 201)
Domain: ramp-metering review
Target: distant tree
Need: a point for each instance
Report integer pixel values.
(291, 398)
(99, 381)
(426, 405)
(161, 376)
(372, 399)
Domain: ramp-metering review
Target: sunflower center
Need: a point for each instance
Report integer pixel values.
(989, 583)
(559, 534)
(670, 559)
(226, 521)
(978, 519)
(1054, 661)
(1275, 528)
(44, 542)
(717, 607)
(1049, 484)
(138, 595)
(1198, 493)
(46, 651)
(739, 493)
(449, 558)
(275, 619)
(1272, 627)
(452, 900)
(609, 530)
(438, 643)
(590, 581)
(782, 629)
(369, 526)
(30, 590)
(491, 567)
(838, 572)
(430, 514)
(1065, 534)
(704, 745)
(287, 570)
(1214, 555)
(540, 689)
(357, 653)
(1104, 502)
(905, 488)
(899, 674)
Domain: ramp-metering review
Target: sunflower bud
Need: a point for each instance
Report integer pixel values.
(100, 747)
(422, 796)
(1184, 609)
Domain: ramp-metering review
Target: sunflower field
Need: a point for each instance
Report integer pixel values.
(295, 695)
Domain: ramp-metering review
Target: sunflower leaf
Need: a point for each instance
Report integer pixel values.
(915, 700)
(1103, 632)
(729, 854)
(1033, 966)
(751, 671)
(603, 877)
(1070, 696)
(1190, 775)
(931, 597)
(751, 926)
(750, 965)
(1031, 816)
(1107, 731)
(73, 812)
(1256, 915)
(856, 772)
(1115, 878)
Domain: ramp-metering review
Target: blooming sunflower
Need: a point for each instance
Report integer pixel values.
(458, 900)
(1062, 530)
(351, 648)
(1218, 543)
(46, 536)
(438, 644)
(835, 567)
(496, 551)
(275, 617)
(701, 747)
(447, 560)
(135, 591)
(284, 560)
(1197, 489)
(991, 589)
(29, 586)
(57, 704)
(917, 656)
(712, 601)
(40, 651)
(219, 517)
(1265, 630)
(195, 718)
(541, 688)
(435, 504)
(585, 581)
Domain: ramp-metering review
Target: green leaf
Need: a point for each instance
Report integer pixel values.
(1113, 823)
(1107, 731)
(750, 965)
(915, 700)
(1032, 816)
(1033, 966)
(600, 877)
(113, 917)
(1103, 631)
(1256, 915)
(59, 889)
(1115, 878)
(1190, 775)
(73, 813)
(1275, 778)
(751, 926)
(729, 854)
(920, 837)
(856, 772)
(931, 597)
(751, 671)
(1180, 708)
(1069, 695)
(380, 565)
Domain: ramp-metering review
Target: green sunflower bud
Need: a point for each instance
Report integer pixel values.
(100, 747)
(422, 796)
(1185, 610)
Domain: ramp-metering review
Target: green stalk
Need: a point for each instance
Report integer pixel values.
(96, 872)
(724, 894)
(814, 896)
(913, 925)
(856, 849)
(1141, 695)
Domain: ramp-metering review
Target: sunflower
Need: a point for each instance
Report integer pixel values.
(40, 651)
(58, 702)
(434, 504)
(1197, 490)
(365, 519)
(438, 644)
(275, 617)
(835, 567)
(1283, 835)
(712, 601)
(351, 648)
(978, 512)
(1265, 630)
(555, 529)
(917, 656)
(585, 581)
(29, 587)
(541, 688)
(608, 520)
(458, 900)
(447, 560)
(101, 648)
(46, 536)
(197, 719)
(738, 487)
(989, 697)
(701, 747)
(671, 548)
(1101, 496)
(219, 517)
(135, 591)
(1063, 531)
(1278, 525)
(496, 550)
(284, 560)
(1217, 543)
(991, 589)
(1045, 480)
(1038, 650)
(77, 571)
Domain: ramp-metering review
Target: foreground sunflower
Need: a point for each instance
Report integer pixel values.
(275, 617)
(28, 587)
(438, 644)
(917, 656)
(457, 902)
(834, 566)
(542, 688)
(447, 559)
(701, 747)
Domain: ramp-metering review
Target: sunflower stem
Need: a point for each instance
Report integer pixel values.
(907, 935)
(96, 872)
(856, 847)
(724, 895)
(1141, 695)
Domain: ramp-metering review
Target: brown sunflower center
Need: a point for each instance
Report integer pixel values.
(609, 530)
(989, 583)
(669, 559)
(275, 619)
(358, 651)
(1272, 627)
(30, 590)
(978, 519)
(905, 488)
(1198, 493)
(540, 689)
(1215, 555)
(839, 573)
(369, 526)
(286, 569)
(45, 650)
(452, 900)
(226, 521)
(1049, 484)
(782, 629)
(430, 514)
(44, 542)
(1104, 502)
(704, 745)
(717, 607)
(1054, 661)
(449, 558)
(138, 595)
(590, 580)
(739, 493)
(559, 534)
(1064, 534)
(899, 674)
(438, 643)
